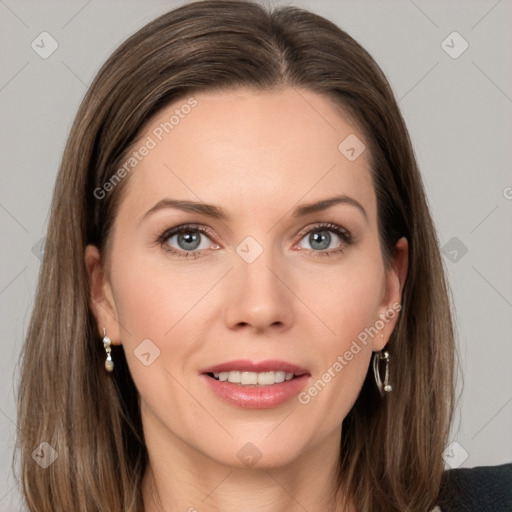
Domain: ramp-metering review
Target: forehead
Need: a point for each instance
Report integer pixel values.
(250, 150)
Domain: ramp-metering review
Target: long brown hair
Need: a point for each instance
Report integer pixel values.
(391, 453)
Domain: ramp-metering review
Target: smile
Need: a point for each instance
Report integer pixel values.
(255, 385)
(253, 378)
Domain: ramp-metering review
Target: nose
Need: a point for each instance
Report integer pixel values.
(258, 295)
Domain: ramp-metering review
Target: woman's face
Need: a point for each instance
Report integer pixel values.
(271, 286)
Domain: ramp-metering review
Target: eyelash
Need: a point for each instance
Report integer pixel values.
(345, 236)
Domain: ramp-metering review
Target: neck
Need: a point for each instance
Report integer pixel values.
(193, 482)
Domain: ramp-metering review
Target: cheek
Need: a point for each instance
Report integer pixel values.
(348, 299)
(155, 306)
(153, 295)
(349, 304)
(156, 309)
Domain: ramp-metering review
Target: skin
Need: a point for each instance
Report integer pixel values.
(258, 156)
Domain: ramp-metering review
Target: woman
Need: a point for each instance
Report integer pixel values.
(242, 302)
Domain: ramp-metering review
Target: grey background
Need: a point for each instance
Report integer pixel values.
(459, 115)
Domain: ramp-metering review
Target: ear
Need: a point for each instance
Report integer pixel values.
(102, 298)
(391, 304)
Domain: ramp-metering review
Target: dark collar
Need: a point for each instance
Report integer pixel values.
(480, 489)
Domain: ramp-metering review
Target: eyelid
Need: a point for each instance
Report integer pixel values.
(327, 226)
(342, 232)
(206, 229)
(190, 226)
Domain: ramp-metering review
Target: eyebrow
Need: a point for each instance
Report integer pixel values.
(216, 212)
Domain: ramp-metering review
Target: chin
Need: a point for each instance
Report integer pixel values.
(257, 452)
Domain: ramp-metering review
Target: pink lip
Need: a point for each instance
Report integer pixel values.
(244, 365)
(256, 397)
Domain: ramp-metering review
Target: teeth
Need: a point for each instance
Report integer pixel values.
(266, 378)
(249, 378)
(234, 376)
(279, 376)
(253, 378)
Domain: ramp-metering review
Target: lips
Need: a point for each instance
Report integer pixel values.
(255, 385)
(244, 365)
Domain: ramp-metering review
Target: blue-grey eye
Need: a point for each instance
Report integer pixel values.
(189, 240)
(320, 239)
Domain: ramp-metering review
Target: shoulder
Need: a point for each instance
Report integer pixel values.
(482, 489)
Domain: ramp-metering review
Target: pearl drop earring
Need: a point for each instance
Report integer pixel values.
(109, 364)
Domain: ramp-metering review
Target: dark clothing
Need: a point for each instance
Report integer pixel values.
(480, 489)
